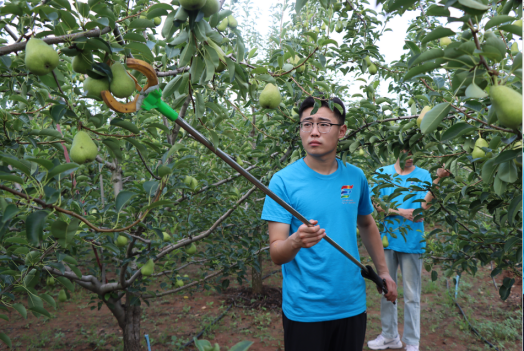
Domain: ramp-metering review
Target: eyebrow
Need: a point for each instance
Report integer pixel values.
(320, 118)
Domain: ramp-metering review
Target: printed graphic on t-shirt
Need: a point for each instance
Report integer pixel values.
(345, 193)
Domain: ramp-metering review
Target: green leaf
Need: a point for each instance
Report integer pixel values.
(495, 21)
(34, 226)
(434, 117)
(426, 67)
(40, 310)
(61, 169)
(457, 130)
(437, 33)
(11, 178)
(125, 124)
(48, 299)
(507, 156)
(76, 270)
(514, 206)
(141, 23)
(141, 50)
(511, 28)
(438, 11)
(113, 145)
(21, 309)
(158, 12)
(66, 283)
(42, 162)
(428, 55)
(214, 138)
(200, 105)
(488, 170)
(508, 172)
(160, 203)
(434, 276)
(16, 164)
(397, 4)
(135, 37)
(100, 44)
(241, 346)
(123, 198)
(472, 4)
(57, 112)
(83, 8)
(299, 5)
(3, 336)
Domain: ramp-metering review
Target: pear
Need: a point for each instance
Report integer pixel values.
(62, 297)
(361, 152)
(50, 281)
(518, 23)
(508, 105)
(191, 250)
(122, 85)
(295, 62)
(422, 114)
(323, 26)
(270, 97)
(368, 60)
(121, 241)
(339, 27)
(82, 62)
(167, 237)
(210, 8)
(221, 67)
(179, 282)
(157, 21)
(385, 241)
(93, 87)
(445, 41)
(232, 21)
(411, 102)
(148, 268)
(40, 58)
(192, 5)
(223, 25)
(83, 149)
(372, 69)
(477, 151)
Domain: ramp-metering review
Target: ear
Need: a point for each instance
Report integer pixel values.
(342, 132)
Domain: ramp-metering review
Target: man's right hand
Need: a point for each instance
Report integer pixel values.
(408, 214)
(307, 236)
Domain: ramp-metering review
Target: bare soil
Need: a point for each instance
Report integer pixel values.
(173, 320)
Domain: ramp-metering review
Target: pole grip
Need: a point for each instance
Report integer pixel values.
(374, 277)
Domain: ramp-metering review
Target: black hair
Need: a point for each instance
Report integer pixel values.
(310, 102)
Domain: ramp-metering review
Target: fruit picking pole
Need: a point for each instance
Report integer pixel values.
(153, 100)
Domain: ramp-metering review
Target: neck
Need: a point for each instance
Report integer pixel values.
(325, 164)
(405, 170)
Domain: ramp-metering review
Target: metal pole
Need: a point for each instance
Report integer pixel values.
(202, 139)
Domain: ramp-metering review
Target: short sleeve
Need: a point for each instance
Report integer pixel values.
(365, 206)
(272, 211)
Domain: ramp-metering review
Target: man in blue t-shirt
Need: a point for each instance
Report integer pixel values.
(323, 293)
(406, 246)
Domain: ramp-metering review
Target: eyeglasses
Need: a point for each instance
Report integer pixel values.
(323, 127)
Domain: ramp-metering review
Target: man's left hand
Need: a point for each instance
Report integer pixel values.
(443, 172)
(391, 286)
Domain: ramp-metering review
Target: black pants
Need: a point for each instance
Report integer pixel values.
(339, 335)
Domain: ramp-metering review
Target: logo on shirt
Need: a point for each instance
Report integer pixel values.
(345, 191)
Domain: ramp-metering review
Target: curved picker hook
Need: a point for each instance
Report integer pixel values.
(153, 101)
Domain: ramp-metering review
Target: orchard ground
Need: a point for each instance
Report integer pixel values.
(173, 320)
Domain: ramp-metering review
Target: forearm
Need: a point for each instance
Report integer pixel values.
(429, 196)
(391, 211)
(371, 238)
(283, 251)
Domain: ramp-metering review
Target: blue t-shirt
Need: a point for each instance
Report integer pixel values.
(321, 284)
(414, 238)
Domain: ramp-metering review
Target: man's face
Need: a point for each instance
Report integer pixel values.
(315, 142)
(409, 161)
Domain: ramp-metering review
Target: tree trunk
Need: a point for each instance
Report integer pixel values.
(132, 326)
(256, 276)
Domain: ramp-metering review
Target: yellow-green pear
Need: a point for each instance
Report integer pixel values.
(40, 58)
(191, 250)
(368, 60)
(148, 268)
(157, 21)
(339, 27)
(142, 17)
(82, 62)
(385, 241)
(445, 41)
(62, 296)
(232, 21)
(93, 87)
(518, 23)
(192, 5)
(210, 8)
(358, 231)
(122, 85)
(83, 149)
(270, 97)
(361, 152)
(167, 237)
(223, 25)
(425, 110)
(477, 151)
(372, 69)
(121, 241)
(295, 62)
(508, 105)
(81, 78)
(514, 48)
(50, 281)
(179, 282)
